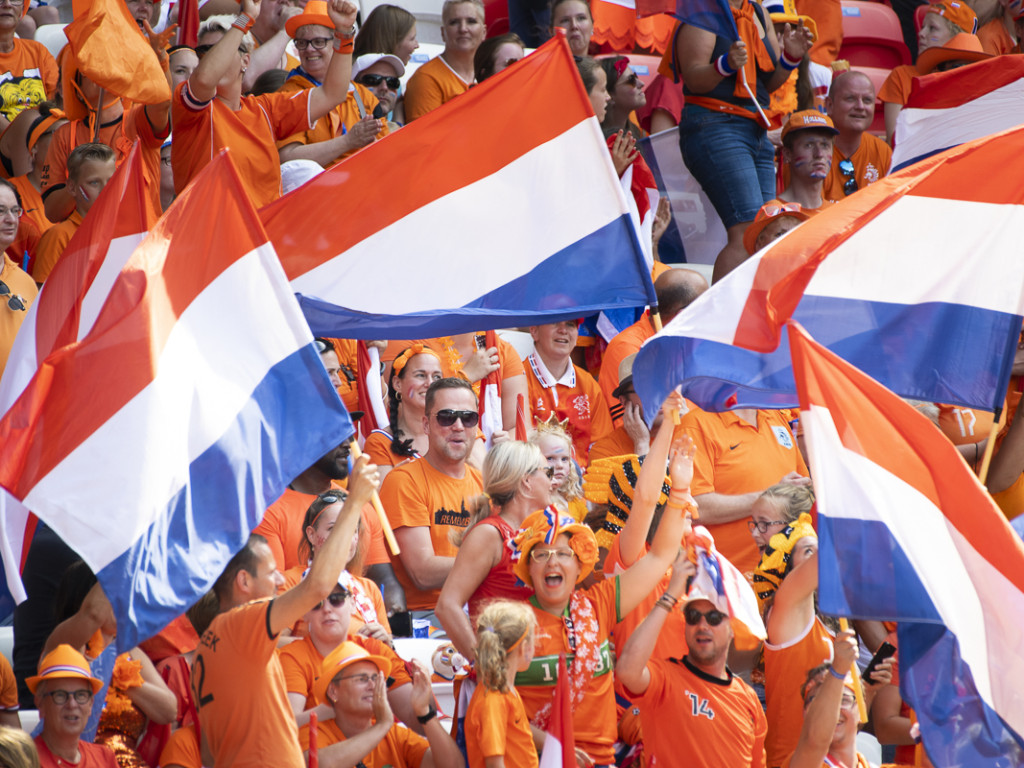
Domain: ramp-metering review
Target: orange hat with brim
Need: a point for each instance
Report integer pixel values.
(961, 47)
(315, 12)
(345, 655)
(63, 663)
(770, 212)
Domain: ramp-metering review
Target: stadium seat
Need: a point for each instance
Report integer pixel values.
(877, 76)
(872, 36)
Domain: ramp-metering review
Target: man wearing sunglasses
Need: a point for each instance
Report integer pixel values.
(380, 73)
(426, 498)
(859, 158)
(716, 718)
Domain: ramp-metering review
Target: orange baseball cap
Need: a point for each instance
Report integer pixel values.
(768, 213)
(808, 119)
(62, 663)
(345, 655)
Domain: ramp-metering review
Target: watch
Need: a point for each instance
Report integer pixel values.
(424, 719)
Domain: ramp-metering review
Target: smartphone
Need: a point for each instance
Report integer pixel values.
(885, 650)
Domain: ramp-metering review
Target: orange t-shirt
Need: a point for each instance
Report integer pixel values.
(378, 448)
(10, 320)
(400, 747)
(8, 687)
(138, 128)
(32, 202)
(430, 86)
(576, 397)
(871, 162)
(28, 76)
(417, 495)
(336, 122)
(734, 458)
(201, 130)
(896, 88)
(71, 135)
(92, 756)
(182, 748)
(237, 682)
(594, 717)
(52, 245)
(348, 358)
(626, 343)
(302, 664)
(713, 721)
(785, 670)
(995, 38)
(496, 726)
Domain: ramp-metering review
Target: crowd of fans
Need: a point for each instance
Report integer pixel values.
(568, 551)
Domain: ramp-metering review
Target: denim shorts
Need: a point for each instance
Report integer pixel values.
(731, 158)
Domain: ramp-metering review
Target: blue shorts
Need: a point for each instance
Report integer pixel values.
(731, 158)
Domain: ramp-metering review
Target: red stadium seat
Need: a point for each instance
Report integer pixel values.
(877, 77)
(872, 36)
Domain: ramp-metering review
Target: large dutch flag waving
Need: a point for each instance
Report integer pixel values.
(153, 444)
(500, 208)
(907, 533)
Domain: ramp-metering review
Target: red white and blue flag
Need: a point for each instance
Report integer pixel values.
(916, 279)
(946, 109)
(154, 442)
(907, 533)
(501, 207)
(560, 742)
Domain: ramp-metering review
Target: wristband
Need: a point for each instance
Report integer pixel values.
(659, 604)
(668, 598)
(344, 45)
(424, 719)
(722, 65)
(787, 63)
(836, 675)
(243, 22)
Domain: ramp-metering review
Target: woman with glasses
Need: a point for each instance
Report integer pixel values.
(209, 111)
(517, 481)
(17, 289)
(627, 95)
(497, 53)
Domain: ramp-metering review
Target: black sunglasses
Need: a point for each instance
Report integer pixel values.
(372, 81)
(17, 302)
(693, 617)
(632, 80)
(336, 599)
(846, 168)
(447, 418)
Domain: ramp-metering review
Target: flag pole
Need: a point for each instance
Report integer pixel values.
(990, 446)
(656, 322)
(375, 501)
(858, 691)
(753, 98)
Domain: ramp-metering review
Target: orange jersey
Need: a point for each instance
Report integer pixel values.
(71, 135)
(871, 162)
(32, 202)
(28, 76)
(995, 38)
(896, 88)
(416, 495)
(785, 670)
(21, 284)
(92, 756)
(378, 448)
(594, 717)
(237, 681)
(203, 129)
(182, 748)
(733, 458)
(52, 245)
(400, 747)
(302, 663)
(336, 122)
(575, 396)
(625, 343)
(138, 128)
(430, 86)
(714, 722)
(496, 726)
(8, 687)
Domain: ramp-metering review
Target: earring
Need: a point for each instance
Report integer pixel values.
(243, 70)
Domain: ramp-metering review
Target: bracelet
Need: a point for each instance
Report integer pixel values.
(788, 63)
(431, 714)
(243, 22)
(345, 34)
(836, 675)
(722, 65)
(659, 604)
(673, 600)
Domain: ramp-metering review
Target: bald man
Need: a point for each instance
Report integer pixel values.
(858, 157)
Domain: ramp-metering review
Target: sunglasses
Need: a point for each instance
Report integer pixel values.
(336, 599)
(372, 81)
(631, 80)
(318, 43)
(447, 418)
(13, 301)
(549, 471)
(713, 618)
(846, 168)
(770, 211)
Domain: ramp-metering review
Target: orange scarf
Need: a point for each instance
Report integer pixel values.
(758, 57)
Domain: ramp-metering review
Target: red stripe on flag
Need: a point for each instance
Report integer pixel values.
(943, 90)
(521, 428)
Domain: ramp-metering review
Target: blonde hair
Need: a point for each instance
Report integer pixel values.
(792, 500)
(17, 750)
(502, 626)
(572, 487)
(222, 23)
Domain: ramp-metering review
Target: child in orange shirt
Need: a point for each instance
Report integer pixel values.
(497, 730)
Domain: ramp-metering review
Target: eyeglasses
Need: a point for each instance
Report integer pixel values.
(13, 301)
(631, 80)
(762, 525)
(447, 417)
(543, 555)
(202, 50)
(549, 471)
(361, 679)
(318, 43)
(336, 599)
(693, 617)
(372, 81)
(846, 168)
(14, 211)
(60, 698)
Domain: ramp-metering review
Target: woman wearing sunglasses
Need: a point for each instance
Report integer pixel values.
(517, 481)
(627, 95)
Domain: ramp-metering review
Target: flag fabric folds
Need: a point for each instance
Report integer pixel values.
(946, 109)
(713, 15)
(892, 279)
(459, 223)
(560, 744)
(908, 534)
(153, 445)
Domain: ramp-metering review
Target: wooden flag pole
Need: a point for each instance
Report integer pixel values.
(656, 322)
(858, 691)
(389, 534)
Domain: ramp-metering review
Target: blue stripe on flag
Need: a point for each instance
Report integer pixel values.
(713, 15)
(295, 416)
(597, 285)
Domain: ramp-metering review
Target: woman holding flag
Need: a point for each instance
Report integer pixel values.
(728, 75)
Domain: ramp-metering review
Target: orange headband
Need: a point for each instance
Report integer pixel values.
(408, 354)
(42, 125)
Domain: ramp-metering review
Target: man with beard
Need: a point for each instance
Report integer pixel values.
(858, 157)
